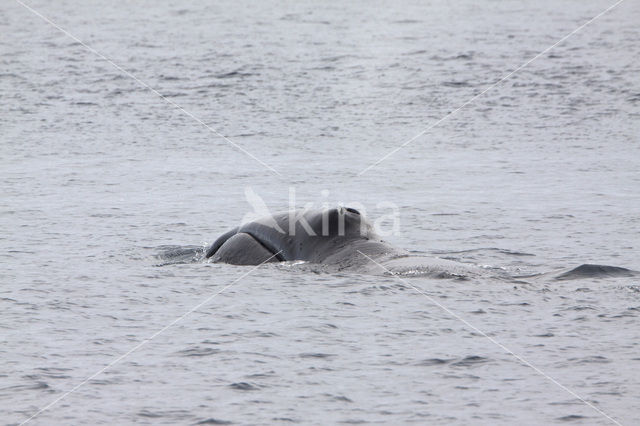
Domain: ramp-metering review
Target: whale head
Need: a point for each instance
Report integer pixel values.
(339, 222)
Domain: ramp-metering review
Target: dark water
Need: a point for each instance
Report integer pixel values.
(99, 175)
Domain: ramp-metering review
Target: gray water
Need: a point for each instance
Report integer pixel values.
(99, 175)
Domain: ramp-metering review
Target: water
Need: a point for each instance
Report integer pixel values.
(99, 174)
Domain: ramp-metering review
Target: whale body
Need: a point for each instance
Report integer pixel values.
(333, 236)
(343, 239)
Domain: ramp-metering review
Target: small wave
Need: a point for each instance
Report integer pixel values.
(316, 355)
(36, 386)
(54, 373)
(234, 74)
(416, 52)
(336, 58)
(434, 361)
(571, 418)
(456, 84)
(173, 255)
(595, 359)
(149, 414)
(482, 249)
(199, 352)
(212, 421)
(470, 361)
(461, 56)
(244, 386)
(407, 21)
(426, 272)
(467, 361)
(10, 75)
(174, 94)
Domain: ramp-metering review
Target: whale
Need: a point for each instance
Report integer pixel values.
(338, 236)
(342, 239)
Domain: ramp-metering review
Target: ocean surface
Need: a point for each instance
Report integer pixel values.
(99, 175)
